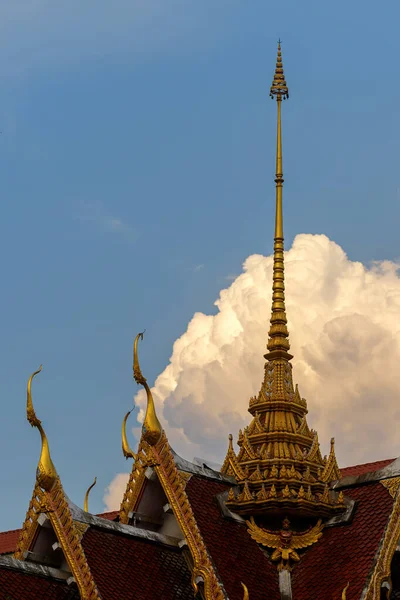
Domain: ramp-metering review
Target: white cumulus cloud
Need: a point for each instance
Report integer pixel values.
(344, 323)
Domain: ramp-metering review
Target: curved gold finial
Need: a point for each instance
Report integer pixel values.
(278, 343)
(345, 591)
(245, 592)
(151, 428)
(46, 473)
(86, 500)
(126, 449)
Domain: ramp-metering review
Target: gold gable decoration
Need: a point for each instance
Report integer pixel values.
(279, 468)
(49, 498)
(154, 451)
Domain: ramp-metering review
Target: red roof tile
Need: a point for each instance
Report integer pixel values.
(128, 568)
(236, 556)
(345, 553)
(15, 585)
(365, 468)
(8, 541)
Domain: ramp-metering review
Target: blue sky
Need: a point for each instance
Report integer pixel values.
(136, 175)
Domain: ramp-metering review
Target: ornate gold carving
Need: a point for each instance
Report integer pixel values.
(69, 540)
(81, 528)
(331, 471)
(126, 449)
(245, 592)
(135, 484)
(392, 485)
(151, 428)
(30, 525)
(86, 500)
(173, 487)
(381, 572)
(285, 541)
(184, 477)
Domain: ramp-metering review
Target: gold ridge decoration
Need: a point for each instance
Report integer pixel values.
(284, 542)
(126, 449)
(278, 442)
(135, 483)
(86, 500)
(151, 428)
(49, 497)
(388, 545)
(245, 592)
(344, 593)
(173, 486)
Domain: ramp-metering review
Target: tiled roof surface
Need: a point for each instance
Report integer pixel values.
(8, 540)
(365, 468)
(235, 555)
(345, 553)
(15, 585)
(128, 568)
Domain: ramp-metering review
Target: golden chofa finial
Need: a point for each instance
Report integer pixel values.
(151, 428)
(344, 593)
(245, 592)
(86, 500)
(126, 449)
(46, 473)
(278, 342)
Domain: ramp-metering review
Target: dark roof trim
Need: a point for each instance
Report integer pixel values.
(203, 470)
(392, 470)
(30, 568)
(119, 528)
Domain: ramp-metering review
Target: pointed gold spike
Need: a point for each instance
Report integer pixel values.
(344, 593)
(86, 500)
(46, 473)
(245, 592)
(151, 428)
(126, 449)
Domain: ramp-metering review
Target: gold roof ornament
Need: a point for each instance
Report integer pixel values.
(86, 500)
(278, 443)
(245, 592)
(285, 542)
(48, 497)
(126, 449)
(46, 473)
(151, 428)
(344, 593)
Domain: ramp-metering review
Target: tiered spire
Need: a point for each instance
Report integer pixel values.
(279, 467)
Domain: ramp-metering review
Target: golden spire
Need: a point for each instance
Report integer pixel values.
(279, 468)
(126, 449)
(278, 343)
(151, 428)
(46, 473)
(86, 500)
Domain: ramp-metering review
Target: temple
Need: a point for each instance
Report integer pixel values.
(277, 522)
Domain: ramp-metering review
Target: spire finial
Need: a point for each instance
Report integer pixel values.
(46, 473)
(86, 500)
(151, 428)
(278, 343)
